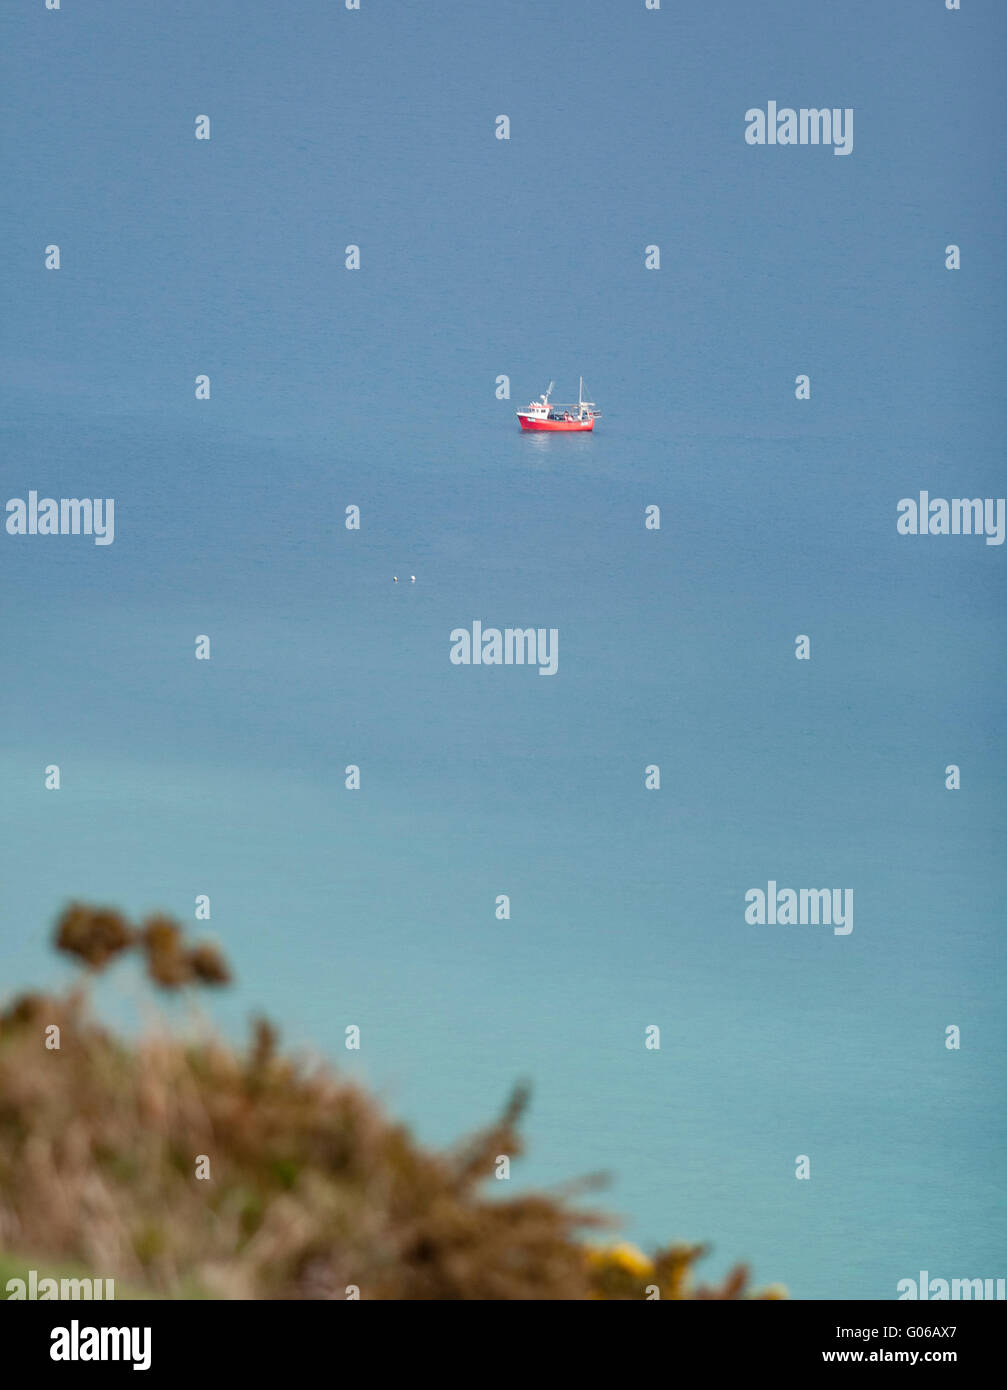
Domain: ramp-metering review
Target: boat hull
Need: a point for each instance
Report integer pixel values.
(565, 425)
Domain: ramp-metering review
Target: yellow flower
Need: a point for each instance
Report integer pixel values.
(629, 1258)
(624, 1257)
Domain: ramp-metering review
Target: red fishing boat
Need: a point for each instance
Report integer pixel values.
(540, 415)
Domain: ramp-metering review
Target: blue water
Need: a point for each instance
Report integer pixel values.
(377, 388)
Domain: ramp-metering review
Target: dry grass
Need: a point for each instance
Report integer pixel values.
(312, 1189)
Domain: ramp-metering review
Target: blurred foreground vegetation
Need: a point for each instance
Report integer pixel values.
(312, 1192)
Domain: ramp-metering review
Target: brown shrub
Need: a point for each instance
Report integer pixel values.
(311, 1188)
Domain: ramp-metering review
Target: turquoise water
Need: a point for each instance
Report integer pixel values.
(377, 388)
